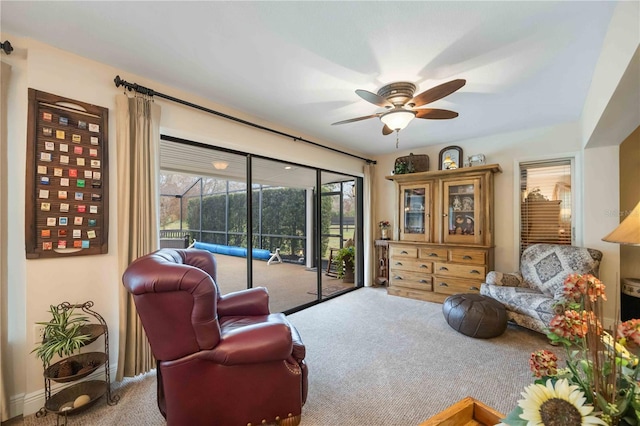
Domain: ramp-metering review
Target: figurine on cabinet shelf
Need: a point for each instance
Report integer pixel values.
(467, 228)
(457, 204)
(459, 226)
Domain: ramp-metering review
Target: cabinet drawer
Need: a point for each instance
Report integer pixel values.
(416, 265)
(462, 271)
(433, 253)
(447, 285)
(476, 257)
(411, 280)
(402, 251)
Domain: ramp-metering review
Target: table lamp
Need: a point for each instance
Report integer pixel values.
(628, 233)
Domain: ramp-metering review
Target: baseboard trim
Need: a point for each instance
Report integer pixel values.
(32, 402)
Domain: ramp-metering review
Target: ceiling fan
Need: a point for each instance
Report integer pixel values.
(402, 106)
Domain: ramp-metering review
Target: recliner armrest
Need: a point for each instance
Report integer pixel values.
(253, 301)
(506, 279)
(253, 344)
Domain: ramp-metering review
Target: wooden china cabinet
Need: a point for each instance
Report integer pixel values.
(446, 231)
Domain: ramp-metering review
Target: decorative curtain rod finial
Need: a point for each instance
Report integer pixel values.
(6, 47)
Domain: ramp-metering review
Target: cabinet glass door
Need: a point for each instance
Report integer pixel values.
(415, 213)
(462, 204)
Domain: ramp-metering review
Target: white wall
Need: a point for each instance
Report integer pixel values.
(36, 283)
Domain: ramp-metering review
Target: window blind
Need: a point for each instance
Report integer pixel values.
(546, 203)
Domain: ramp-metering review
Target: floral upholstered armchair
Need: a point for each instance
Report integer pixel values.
(529, 295)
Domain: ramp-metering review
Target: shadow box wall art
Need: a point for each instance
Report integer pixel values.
(67, 208)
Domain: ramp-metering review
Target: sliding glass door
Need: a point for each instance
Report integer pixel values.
(270, 223)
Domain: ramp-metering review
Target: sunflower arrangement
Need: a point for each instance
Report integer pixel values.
(599, 385)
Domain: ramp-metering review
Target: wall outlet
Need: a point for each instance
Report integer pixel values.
(38, 333)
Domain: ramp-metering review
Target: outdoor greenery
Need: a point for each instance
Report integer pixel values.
(345, 258)
(283, 213)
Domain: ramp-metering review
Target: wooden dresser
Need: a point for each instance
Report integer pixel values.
(445, 223)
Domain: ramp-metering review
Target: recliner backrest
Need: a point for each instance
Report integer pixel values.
(176, 298)
(545, 266)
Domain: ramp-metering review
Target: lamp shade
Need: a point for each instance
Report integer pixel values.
(398, 119)
(628, 232)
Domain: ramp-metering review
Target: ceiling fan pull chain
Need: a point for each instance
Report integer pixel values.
(397, 138)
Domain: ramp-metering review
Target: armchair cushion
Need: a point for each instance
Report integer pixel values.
(545, 266)
(530, 295)
(511, 279)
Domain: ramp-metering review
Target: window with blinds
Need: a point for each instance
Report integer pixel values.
(545, 203)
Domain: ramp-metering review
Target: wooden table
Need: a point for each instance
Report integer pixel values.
(466, 412)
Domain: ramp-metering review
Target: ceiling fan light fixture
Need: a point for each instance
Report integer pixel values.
(398, 119)
(220, 165)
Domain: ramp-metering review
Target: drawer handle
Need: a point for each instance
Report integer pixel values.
(399, 263)
(403, 252)
(423, 266)
(473, 271)
(444, 285)
(474, 288)
(465, 257)
(423, 281)
(443, 268)
(397, 278)
(433, 254)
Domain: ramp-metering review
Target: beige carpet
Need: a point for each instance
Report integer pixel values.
(373, 360)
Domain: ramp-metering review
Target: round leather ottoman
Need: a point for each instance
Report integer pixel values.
(475, 315)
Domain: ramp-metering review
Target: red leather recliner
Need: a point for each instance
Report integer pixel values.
(221, 360)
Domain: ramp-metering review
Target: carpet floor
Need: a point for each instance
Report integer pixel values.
(373, 360)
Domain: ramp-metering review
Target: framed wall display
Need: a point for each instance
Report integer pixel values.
(450, 158)
(67, 191)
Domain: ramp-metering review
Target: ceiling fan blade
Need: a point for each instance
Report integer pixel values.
(351, 120)
(386, 130)
(374, 99)
(437, 92)
(435, 114)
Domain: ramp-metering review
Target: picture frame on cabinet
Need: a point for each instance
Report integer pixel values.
(450, 158)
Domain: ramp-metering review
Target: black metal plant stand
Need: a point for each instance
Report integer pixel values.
(61, 403)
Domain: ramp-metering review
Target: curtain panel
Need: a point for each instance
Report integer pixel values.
(5, 73)
(138, 160)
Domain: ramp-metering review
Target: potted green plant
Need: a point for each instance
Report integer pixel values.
(345, 263)
(63, 335)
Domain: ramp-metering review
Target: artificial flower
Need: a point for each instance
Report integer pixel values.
(384, 224)
(568, 325)
(543, 363)
(561, 404)
(599, 385)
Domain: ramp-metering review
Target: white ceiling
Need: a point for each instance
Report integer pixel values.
(298, 64)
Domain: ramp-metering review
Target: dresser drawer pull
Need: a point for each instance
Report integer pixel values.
(444, 285)
(443, 268)
(399, 263)
(433, 255)
(423, 281)
(404, 252)
(423, 266)
(397, 278)
(474, 288)
(473, 271)
(466, 257)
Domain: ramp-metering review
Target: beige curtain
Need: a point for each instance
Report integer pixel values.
(137, 140)
(5, 72)
(368, 225)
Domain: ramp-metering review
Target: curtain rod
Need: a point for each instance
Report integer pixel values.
(150, 92)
